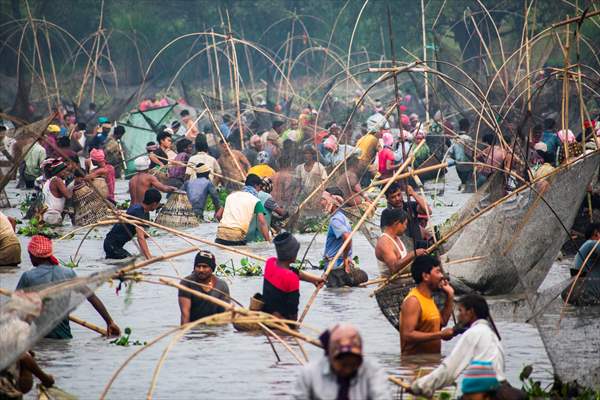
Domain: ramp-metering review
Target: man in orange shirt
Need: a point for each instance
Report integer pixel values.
(420, 319)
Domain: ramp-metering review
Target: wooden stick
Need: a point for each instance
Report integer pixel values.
(356, 227)
(77, 320)
(400, 382)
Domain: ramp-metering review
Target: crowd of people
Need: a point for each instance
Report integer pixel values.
(268, 175)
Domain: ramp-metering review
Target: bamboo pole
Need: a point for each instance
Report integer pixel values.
(77, 320)
(356, 227)
(48, 43)
(424, 39)
(39, 54)
(216, 126)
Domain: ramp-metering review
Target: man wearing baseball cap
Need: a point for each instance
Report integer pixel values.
(202, 280)
(342, 373)
(48, 270)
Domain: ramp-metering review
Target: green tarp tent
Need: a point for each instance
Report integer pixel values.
(140, 128)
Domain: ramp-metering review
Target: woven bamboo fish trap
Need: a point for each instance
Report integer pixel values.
(256, 304)
(89, 207)
(4, 202)
(177, 212)
(391, 297)
(101, 186)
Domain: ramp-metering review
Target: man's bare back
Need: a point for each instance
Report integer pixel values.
(141, 182)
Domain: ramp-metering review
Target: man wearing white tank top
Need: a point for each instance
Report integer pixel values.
(391, 253)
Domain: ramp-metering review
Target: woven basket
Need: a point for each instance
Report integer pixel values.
(101, 186)
(177, 212)
(89, 207)
(256, 304)
(391, 297)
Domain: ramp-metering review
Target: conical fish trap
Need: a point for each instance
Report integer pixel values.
(89, 207)
(177, 212)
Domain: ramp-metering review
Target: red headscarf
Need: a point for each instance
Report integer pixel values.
(41, 247)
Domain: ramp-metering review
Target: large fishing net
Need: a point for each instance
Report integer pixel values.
(27, 316)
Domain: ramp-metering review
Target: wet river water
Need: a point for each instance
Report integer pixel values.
(218, 362)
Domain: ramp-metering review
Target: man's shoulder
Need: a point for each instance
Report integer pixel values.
(221, 284)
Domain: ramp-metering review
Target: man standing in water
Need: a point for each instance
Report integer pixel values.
(390, 251)
(414, 207)
(142, 181)
(203, 280)
(420, 319)
(48, 270)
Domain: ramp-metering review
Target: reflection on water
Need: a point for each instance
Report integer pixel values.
(218, 362)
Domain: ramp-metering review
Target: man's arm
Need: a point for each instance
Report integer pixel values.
(449, 306)
(263, 227)
(111, 328)
(448, 371)
(155, 183)
(311, 278)
(185, 305)
(409, 316)
(59, 185)
(141, 238)
(422, 205)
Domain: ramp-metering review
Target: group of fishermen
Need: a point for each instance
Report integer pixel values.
(266, 179)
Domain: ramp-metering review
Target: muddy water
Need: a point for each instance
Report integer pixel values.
(218, 362)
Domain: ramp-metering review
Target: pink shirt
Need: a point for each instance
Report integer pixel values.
(110, 181)
(383, 156)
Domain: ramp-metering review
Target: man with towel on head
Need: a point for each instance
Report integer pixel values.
(47, 270)
(281, 283)
(198, 190)
(202, 280)
(55, 190)
(99, 168)
(142, 181)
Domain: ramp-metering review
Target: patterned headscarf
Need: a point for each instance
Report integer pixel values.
(97, 155)
(41, 247)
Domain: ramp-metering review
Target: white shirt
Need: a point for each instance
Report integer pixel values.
(479, 343)
(205, 159)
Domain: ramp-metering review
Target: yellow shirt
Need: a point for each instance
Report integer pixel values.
(262, 170)
(368, 147)
(430, 320)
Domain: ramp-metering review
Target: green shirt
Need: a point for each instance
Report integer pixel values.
(33, 160)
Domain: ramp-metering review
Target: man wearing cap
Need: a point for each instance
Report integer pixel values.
(33, 161)
(142, 181)
(55, 190)
(343, 372)
(50, 140)
(202, 280)
(99, 168)
(240, 208)
(281, 282)
(120, 234)
(199, 189)
(47, 270)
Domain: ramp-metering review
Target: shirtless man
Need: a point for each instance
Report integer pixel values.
(391, 253)
(142, 181)
(228, 165)
(349, 182)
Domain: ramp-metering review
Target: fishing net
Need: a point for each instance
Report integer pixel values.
(27, 317)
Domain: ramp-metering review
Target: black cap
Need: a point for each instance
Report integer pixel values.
(205, 257)
(286, 246)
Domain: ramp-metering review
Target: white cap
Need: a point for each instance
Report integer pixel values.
(142, 163)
